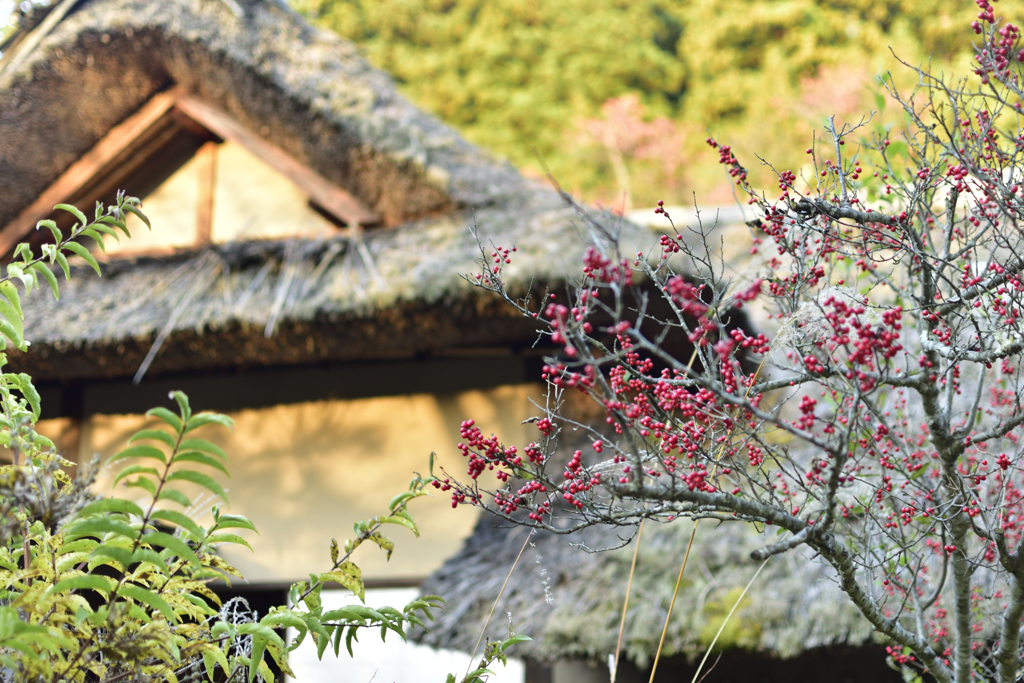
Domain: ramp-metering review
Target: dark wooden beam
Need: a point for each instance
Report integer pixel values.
(84, 171)
(207, 170)
(233, 390)
(323, 192)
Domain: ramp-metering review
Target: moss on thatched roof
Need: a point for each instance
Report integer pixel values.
(793, 606)
(393, 291)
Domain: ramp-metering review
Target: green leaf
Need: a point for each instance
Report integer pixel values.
(202, 459)
(84, 253)
(399, 499)
(146, 555)
(218, 656)
(11, 332)
(348, 575)
(514, 640)
(135, 469)
(261, 631)
(203, 446)
(99, 526)
(259, 645)
(28, 389)
(140, 452)
(142, 483)
(95, 236)
(284, 619)
(337, 640)
(312, 600)
(73, 211)
(180, 519)
(83, 582)
(150, 599)
(385, 543)
(121, 555)
(47, 274)
(203, 419)
(153, 435)
(880, 101)
(62, 261)
(230, 538)
(125, 507)
(234, 522)
(175, 495)
(204, 480)
(322, 643)
(86, 544)
(52, 227)
(401, 518)
(167, 416)
(174, 544)
(135, 210)
(10, 293)
(183, 407)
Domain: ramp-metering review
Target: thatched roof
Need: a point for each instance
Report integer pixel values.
(793, 606)
(393, 291)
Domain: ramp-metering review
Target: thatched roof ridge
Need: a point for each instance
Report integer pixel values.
(306, 90)
(794, 605)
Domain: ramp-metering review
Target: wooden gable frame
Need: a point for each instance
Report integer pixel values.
(124, 151)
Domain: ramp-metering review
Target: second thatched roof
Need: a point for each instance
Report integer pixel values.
(570, 600)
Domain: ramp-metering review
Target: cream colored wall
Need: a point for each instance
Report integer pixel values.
(251, 201)
(304, 473)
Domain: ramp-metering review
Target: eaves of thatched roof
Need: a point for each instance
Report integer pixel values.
(389, 293)
(570, 600)
(392, 290)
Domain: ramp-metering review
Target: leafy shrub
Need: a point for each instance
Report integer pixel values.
(518, 78)
(110, 589)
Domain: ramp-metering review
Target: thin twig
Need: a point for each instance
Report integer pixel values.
(496, 601)
(625, 605)
(727, 617)
(672, 604)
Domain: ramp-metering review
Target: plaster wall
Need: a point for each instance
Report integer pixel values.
(303, 473)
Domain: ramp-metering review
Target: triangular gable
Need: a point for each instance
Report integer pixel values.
(146, 149)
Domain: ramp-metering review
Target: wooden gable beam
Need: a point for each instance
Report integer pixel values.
(81, 173)
(141, 132)
(336, 201)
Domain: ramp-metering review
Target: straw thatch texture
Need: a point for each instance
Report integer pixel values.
(793, 606)
(306, 90)
(389, 293)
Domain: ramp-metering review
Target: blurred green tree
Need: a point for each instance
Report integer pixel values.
(520, 78)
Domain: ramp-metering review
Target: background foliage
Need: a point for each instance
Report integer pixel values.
(522, 78)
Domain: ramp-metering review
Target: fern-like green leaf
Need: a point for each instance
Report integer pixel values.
(202, 459)
(77, 248)
(140, 451)
(204, 480)
(153, 435)
(150, 599)
(167, 416)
